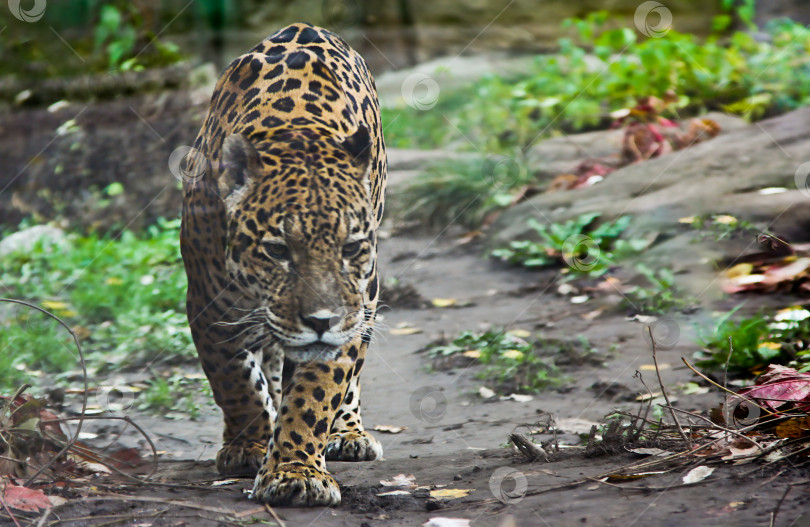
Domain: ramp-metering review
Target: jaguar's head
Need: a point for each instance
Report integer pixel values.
(301, 236)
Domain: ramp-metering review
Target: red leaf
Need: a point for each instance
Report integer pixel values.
(25, 499)
(780, 385)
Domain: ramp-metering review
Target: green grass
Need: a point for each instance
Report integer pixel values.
(781, 337)
(460, 192)
(601, 70)
(124, 296)
(660, 295)
(512, 364)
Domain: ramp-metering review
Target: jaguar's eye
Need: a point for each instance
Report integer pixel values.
(351, 249)
(276, 250)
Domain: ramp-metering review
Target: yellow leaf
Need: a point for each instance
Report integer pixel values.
(519, 333)
(54, 304)
(113, 280)
(405, 331)
(449, 494)
(512, 354)
(771, 345)
(725, 219)
(444, 302)
(688, 219)
(473, 354)
(743, 269)
(651, 367)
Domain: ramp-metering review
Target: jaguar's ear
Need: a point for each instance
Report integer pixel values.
(239, 163)
(358, 145)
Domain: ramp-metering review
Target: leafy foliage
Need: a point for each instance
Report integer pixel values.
(603, 70)
(124, 297)
(512, 363)
(661, 296)
(765, 338)
(584, 247)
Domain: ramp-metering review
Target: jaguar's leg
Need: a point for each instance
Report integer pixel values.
(294, 472)
(348, 440)
(244, 389)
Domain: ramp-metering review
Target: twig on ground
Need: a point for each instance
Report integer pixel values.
(664, 390)
(274, 515)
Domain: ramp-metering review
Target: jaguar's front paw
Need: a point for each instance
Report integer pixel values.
(241, 459)
(353, 446)
(296, 485)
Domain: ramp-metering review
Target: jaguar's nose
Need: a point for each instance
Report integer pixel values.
(319, 322)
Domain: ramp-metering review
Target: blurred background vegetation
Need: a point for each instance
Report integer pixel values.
(95, 95)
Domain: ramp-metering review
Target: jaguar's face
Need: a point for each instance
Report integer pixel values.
(301, 244)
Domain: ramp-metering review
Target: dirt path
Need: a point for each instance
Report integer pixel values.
(454, 437)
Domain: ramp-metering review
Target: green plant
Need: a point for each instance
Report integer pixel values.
(660, 297)
(462, 192)
(176, 393)
(123, 295)
(603, 70)
(585, 247)
(765, 338)
(512, 364)
(719, 227)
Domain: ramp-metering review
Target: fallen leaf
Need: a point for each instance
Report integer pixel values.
(649, 451)
(473, 354)
(400, 480)
(390, 429)
(517, 397)
(449, 494)
(780, 385)
(447, 522)
(697, 474)
(404, 331)
(25, 499)
(224, 482)
(444, 302)
(591, 315)
(519, 333)
(637, 475)
(485, 392)
(651, 367)
(394, 493)
(581, 299)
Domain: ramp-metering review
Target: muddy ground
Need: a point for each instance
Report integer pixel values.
(452, 436)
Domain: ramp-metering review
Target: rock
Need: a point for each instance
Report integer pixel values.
(722, 175)
(26, 239)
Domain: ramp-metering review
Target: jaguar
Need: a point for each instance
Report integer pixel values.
(283, 194)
